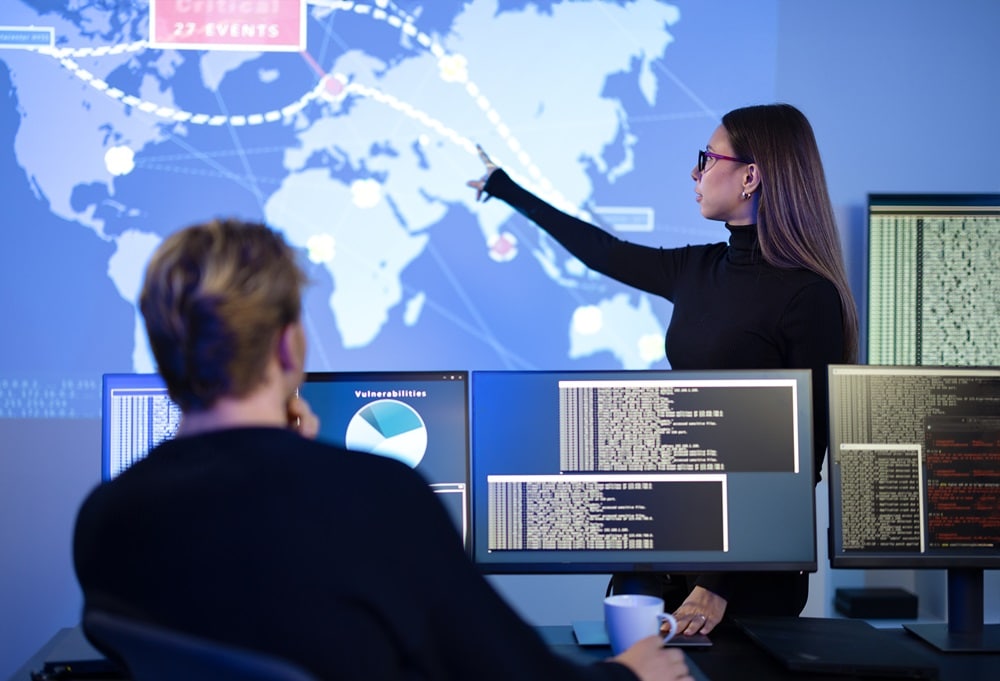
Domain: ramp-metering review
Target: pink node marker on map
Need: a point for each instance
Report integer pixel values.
(334, 87)
(503, 247)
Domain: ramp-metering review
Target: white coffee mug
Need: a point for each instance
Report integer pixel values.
(631, 617)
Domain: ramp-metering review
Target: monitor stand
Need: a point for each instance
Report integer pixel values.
(646, 583)
(965, 631)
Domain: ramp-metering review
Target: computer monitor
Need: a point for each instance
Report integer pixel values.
(914, 481)
(136, 415)
(418, 417)
(642, 471)
(933, 279)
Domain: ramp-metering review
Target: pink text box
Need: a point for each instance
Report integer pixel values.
(255, 25)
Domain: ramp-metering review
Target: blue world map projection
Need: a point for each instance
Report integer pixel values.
(358, 148)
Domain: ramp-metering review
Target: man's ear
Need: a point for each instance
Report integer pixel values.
(290, 348)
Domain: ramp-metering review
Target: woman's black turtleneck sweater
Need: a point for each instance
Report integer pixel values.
(732, 310)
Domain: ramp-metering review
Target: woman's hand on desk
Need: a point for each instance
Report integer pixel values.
(700, 612)
(650, 661)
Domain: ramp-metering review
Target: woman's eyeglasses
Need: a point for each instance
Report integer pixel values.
(703, 157)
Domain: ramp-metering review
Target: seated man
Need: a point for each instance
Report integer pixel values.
(245, 531)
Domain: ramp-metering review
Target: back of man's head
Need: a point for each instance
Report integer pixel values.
(215, 298)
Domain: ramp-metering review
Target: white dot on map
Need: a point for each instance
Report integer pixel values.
(651, 347)
(119, 160)
(587, 320)
(454, 68)
(576, 268)
(322, 248)
(366, 193)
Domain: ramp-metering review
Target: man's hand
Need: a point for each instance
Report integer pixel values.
(301, 417)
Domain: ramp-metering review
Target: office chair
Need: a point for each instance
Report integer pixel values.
(153, 653)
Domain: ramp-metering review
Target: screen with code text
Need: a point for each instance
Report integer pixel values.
(642, 470)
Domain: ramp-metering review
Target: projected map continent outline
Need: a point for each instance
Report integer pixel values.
(361, 163)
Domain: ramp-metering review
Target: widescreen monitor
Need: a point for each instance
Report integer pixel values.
(136, 415)
(635, 471)
(914, 480)
(933, 281)
(418, 417)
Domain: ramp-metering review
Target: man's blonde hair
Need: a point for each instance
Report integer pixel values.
(215, 298)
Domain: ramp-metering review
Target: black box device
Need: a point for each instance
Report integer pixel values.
(876, 603)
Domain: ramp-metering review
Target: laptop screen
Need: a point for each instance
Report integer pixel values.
(418, 417)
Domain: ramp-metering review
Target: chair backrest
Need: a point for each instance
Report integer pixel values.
(153, 653)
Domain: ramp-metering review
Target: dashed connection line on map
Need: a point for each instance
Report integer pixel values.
(330, 87)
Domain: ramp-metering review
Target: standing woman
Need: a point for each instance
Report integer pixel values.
(775, 296)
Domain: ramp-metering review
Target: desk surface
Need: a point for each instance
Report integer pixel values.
(733, 657)
(67, 644)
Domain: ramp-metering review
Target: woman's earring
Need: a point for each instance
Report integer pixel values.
(745, 196)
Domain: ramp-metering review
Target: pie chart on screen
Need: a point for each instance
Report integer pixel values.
(388, 428)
